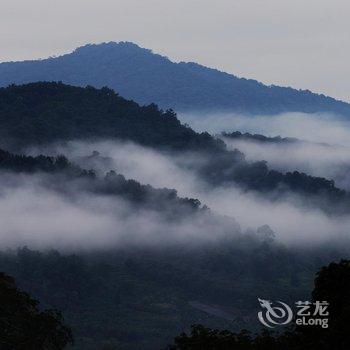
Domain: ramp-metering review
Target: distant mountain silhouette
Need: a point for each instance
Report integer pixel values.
(145, 77)
(237, 135)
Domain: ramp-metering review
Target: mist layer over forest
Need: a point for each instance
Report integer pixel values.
(318, 143)
(162, 222)
(288, 215)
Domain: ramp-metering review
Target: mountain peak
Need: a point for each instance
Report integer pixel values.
(110, 47)
(141, 75)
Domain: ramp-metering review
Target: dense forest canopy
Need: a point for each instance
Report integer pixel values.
(140, 75)
(23, 326)
(41, 113)
(140, 299)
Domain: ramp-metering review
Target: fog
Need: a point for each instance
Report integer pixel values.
(319, 128)
(331, 162)
(324, 149)
(36, 215)
(288, 217)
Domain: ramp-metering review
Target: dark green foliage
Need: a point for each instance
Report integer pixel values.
(140, 75)
(43, 113)
(333, 284)
(21, 163)
(23, 326)
(141, 298)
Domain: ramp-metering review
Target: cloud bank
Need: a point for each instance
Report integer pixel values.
(36, 215)
(325, 153)
(292, 222)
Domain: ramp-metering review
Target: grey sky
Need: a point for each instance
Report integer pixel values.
(299, 43)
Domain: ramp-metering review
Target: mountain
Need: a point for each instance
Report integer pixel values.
(43, 113)
(138, 74)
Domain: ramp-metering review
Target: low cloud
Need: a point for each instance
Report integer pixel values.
(33, 214)
(317, 128)
(324, 152)
(288, 217)
(331, 162)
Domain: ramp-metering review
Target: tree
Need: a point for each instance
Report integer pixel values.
(202, 338)
(23, 326)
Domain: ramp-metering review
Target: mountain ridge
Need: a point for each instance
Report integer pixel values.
(141, 75)
(44, 113)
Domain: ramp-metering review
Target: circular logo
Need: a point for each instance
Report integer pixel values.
(274, 314)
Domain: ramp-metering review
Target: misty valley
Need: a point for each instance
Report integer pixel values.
(129, 226)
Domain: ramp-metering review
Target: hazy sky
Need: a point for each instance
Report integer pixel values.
(300, 43)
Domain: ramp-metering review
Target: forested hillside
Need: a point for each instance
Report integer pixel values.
(162, 262)
(43, 113)
(69, 178)
(141, 298)
(40, 113)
